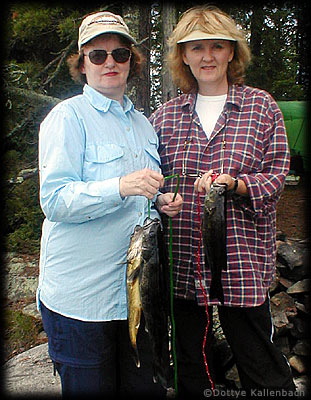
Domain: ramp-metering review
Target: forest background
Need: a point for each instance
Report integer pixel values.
(40, 36)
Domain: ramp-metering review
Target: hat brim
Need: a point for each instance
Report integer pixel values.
(200, 35)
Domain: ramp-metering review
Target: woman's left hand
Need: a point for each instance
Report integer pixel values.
(166, 204)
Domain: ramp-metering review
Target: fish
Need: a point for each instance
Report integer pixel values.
(214, 232)
(134, 262)
(154, 293)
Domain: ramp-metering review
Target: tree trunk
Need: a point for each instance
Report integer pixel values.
(169, 90)
(144, 36)
(257, 21)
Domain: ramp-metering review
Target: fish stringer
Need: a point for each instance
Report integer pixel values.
(198, 258)
(174, 354)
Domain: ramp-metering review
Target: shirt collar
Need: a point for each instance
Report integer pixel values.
(103, 103)
(189, 101)
(234, 98)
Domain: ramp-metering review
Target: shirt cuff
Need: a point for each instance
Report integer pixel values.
(110, 191)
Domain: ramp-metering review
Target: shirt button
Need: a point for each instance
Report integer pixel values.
(128, 128)
(140, 214)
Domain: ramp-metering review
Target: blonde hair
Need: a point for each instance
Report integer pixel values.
(212, 20)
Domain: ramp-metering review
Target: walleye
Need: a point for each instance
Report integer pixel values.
(215, 236)
(154, 292)
(148, 291)
(134, 262)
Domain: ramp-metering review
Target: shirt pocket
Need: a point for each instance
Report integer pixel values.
(243, 162)
(103, 162)
(153, 160)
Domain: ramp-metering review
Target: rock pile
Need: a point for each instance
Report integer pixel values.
(290, 304)
(290, 309)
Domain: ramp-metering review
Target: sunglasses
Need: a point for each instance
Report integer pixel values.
(120, 55)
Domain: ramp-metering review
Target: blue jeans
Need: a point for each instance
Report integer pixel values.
(95, 358)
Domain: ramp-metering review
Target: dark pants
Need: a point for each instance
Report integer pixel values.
(249, 334)
(190, 322)
(95, 358)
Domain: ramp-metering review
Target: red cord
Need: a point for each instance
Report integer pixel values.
(198, 257)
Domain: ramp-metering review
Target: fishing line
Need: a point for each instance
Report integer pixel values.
(172, 285)
(198, 257)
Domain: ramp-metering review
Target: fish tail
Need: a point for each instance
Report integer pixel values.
(216, 291)
(136, 356)
(158, 377)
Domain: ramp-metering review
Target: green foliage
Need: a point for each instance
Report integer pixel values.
(20, 330)
(67, 28)
(40, 37)
(274, 65)
(23, 217)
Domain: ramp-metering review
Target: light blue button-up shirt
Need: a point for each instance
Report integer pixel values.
(86, 144)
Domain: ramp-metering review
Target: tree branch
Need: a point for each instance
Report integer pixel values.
(60, 59)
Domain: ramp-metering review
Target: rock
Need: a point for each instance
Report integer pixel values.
(280, 320)
(31, 373)
(290, 254)
(20, 283)
(300, 287)
(285, 282)
(300, 328)
(21, 287)
(282, 302)
(302, 348)
(297, 363)
(282, 307)
(31, 310)
(301, 307)
(233, 375)
(302, 384)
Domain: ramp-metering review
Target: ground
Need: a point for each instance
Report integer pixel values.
(292, 212)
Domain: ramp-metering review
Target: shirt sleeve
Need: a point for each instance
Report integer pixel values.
(64, 196)
(266, 185)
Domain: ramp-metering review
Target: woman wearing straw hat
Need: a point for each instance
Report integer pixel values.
(99, 166)
(221, 130)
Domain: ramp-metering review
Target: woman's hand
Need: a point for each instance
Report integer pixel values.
(166, 204)
(204, 183)
(145, 182)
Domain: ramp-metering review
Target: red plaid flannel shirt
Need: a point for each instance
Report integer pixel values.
(249, 142)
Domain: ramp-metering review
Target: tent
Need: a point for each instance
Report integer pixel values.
(296, 122)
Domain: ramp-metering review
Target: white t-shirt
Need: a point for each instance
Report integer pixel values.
(209, 109)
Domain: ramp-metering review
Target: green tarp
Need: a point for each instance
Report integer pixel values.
(296, 122)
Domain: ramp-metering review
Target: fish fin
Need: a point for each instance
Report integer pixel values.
(216, 291)
(122, 263)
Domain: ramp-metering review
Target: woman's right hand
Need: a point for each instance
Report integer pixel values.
(145, 182)
(204, 182)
